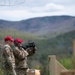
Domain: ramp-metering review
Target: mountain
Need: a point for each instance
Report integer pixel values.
(42, 25)
(60, 45)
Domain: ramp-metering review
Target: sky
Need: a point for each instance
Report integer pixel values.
(37, 8)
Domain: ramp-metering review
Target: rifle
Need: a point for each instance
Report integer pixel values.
(30, 47)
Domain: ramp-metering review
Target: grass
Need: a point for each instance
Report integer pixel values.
(67, 62)
(15, 33)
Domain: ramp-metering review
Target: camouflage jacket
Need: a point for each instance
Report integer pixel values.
(8, 57)
(20, 58)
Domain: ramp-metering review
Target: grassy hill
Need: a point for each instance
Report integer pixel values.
(16, 33)
(60, 45)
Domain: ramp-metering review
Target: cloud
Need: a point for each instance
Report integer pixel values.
(65, 2)
(14, 14)
(24, 12)
(43, 2)
(48, 8)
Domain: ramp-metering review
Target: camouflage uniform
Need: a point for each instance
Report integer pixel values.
(21, 61)
(8, 61)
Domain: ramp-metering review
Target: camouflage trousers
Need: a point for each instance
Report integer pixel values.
(21, 71)
(9, 72)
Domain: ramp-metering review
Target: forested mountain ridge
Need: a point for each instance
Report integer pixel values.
(42, 25)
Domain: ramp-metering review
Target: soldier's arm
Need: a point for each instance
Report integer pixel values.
(25, 53)
(20, 53)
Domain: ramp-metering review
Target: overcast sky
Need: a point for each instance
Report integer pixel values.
(37, 8)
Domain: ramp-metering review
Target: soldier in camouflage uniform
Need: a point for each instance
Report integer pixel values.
(8, 57)
(20, 58)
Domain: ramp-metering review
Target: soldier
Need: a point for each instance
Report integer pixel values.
(20, 58)
(8, 57)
